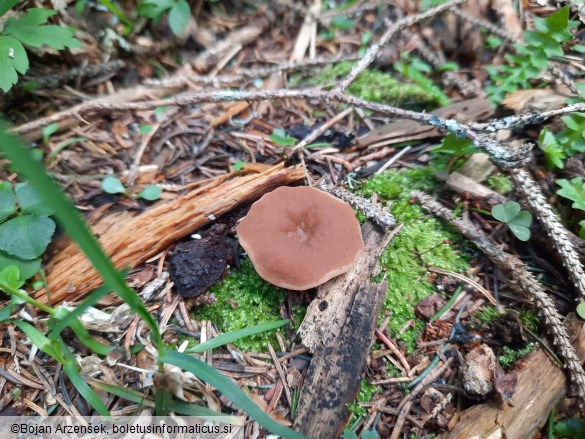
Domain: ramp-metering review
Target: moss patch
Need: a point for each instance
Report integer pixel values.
(376, 86)
(244, 299)
(416, 247)
(500, 183)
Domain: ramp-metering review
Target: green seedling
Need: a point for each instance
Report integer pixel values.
(113, 185)
(518, 221)
(280, 137)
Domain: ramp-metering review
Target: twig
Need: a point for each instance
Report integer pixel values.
(520, 279)
(514, 122)
(502, 156)
(533, 196)
(375, 49)
(313, 135)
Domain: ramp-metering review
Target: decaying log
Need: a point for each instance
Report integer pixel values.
(338, 330)
(134, 240)
(541, 384)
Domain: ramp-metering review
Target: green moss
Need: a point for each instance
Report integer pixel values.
(244, 299)
(500, 183)
(529, 319)
(417, 246)
(510, 356)
(487, 314)
(376, 86)
(367, 392)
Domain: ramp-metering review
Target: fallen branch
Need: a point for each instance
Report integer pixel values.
(521, 280)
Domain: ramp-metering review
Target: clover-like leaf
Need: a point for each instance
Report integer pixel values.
(7, 200)
(26, 236)
(179, 17)
(31, 202)
(280, 137)
(26, 268)
(151, 193)
(518, 221)
(506, 212)
(112, 185)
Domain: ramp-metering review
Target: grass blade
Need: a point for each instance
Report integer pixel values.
(231, 391)
(236, 335)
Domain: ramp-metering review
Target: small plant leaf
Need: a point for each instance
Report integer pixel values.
(26, 236)
(48, 131)
(523, 219)
(70, 369)
(6, 5)
(179, 17)
(10, 278)
(342, 23)
(112, 185)
(506, 212)
(239, 165)
(13, 58)
(40, 340)
(574, 190)
(521, 232)
(582, 229)
(7, 200)
(27, 269)
(30, 30)
(581, 310)
(450, 144)
(151, 193)
(280, 137)
(31, 202)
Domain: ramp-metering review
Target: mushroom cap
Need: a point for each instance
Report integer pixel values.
(300, 237)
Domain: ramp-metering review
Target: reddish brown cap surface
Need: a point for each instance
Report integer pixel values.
(300, 237)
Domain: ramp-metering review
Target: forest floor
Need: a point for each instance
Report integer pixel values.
(456, 128)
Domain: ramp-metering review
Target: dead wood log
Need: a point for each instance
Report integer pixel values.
(130, 241)
(338, 330)
(541, 385)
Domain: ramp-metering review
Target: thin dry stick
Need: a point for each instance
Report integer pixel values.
(520, 279)
(375, 49)
(502, 156)
(313, 135)
(533, 196)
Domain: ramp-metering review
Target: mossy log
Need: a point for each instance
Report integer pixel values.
(131, 240)
(338, 329)
(541, 385)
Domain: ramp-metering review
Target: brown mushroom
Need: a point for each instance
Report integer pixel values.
(300, 237)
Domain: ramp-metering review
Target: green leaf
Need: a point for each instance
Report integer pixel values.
(450, 144)
(31, 202)
(229, 389)
(573, 190)
(26, 236)
(521, 232)
(342, 23)
(232, 336)
(179, 17)
(154, 8)
(88, 340)
(570, 428)
(27, 269)
(13, 59)
(506, 212)
(370, 434)
(581, 310)
(7, 200)
(112, 185)
(114, 9)
(48, 131)
(553, 152)
(280, 137)
(40, 341)
(145, 129)
(151, 193)
(523, 219)
(10, 278)
(582, 229)
(29, 29)
(70, 369)
(558, 21)
(6, 5)
(239, 165)
(6, 312)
